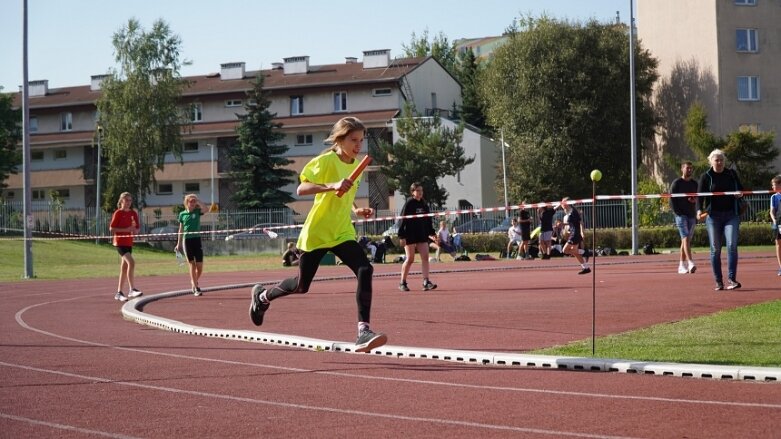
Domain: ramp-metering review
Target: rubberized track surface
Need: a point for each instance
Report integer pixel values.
(70, 366)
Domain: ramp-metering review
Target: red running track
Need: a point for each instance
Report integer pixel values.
(70, 366)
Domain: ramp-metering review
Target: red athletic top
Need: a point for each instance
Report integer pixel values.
(123, 219)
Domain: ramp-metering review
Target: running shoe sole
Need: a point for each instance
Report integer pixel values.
(373, 343)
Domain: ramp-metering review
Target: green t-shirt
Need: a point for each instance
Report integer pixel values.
(328, 223)
(191, 222)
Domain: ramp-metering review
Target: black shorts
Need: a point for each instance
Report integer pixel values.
(193, 249)
(123, 249)
(526, 234)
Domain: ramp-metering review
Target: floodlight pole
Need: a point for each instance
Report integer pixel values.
(504, 177)
(594, 269)
(633, 124)
(26, 156)
(97, 188)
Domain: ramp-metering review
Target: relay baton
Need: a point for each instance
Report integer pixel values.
(356, 172)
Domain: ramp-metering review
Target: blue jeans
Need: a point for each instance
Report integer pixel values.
(723, 227)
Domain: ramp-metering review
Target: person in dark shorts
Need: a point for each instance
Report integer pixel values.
(574, 224)
(329, 228)
(685, 210)
(525, 221)
(545, 213)
(124, 224)
(416, 233)
(188, 240)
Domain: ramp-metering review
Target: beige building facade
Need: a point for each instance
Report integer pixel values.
(725, 54)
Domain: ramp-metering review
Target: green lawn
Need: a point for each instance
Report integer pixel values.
(748, 336)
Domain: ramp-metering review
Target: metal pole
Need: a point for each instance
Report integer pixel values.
(211, 146)
(633, 124)
(504, 178)
(97, 189)
(29, 222)
(594, 269)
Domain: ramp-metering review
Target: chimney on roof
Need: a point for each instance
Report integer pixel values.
(276, 66)
(296, 64)
(38, 88)
(350, 60)
(96, 81)
(376, 58)
(231, 70)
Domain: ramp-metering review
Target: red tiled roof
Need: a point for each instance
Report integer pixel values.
(328, 75)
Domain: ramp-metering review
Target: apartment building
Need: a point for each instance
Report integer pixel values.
(308, 100)
(725, 54)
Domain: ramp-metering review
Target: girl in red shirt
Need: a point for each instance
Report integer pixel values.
(124, 224)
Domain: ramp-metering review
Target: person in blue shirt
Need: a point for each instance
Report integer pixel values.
(775, 211)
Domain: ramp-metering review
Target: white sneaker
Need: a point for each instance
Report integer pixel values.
(119, 296)
(134, 293)
(682, 269)
(692, 267)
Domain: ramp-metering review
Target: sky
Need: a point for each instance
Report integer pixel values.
(69, 41)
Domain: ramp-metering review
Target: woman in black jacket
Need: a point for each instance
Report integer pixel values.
(415, 234)
(722, 217)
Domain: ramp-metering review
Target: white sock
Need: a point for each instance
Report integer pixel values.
(263, 298)
(362, 326)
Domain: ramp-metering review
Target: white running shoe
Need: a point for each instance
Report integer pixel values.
(134, 293)
(682, 269)
(692, 267)
(120, 296)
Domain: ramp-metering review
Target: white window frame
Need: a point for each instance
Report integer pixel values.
(66, 121)
(196, 114)
(159, 186)
(752, 86)
(746, 2)
(187, 147)
(296, 105)
(380, 92)
(303, 139)
(746, 40)
(38, 194)
(33, 124)
(340, 101)
(234, 103)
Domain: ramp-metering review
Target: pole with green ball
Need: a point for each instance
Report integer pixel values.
(596, 175)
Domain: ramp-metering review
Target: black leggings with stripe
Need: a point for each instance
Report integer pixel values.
(352, 255)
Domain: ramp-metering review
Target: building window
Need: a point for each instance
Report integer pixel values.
(382, 92)
(36, 156)
(190, 188)
(748, 88)
(252, 102)
(752, 128)
(61, 193)
(39, 194)
(746, 2)
(190, 147)
(303, 139)
(340, 101)
(164, 189)
(10, 195)
(66, 122)
(296, 105)
(60, 154)
(234, 103)
(33, 124)
(197, 112)
(746, 40)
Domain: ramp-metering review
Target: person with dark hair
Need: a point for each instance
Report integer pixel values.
(124, 224)
(722, 217)
(775, 216)
(685, 215)
(329, 228)
(416, 232)
(545, 213)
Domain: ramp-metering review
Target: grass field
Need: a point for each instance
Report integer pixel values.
(748, 336)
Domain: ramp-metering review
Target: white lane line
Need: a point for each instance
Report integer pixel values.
(64, 427)
(288, 405)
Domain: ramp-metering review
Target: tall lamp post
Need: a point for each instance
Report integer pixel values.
(633, 124)
(211, 199)
(97, 188)
(504, 178)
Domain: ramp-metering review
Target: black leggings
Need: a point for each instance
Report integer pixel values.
(352, 255)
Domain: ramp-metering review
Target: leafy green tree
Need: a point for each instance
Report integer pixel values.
(257, 161)
(425, 152)
(10, 136)
(472, 110)
(139, 109)
(751, 154)
(440, 48)
(560, 92)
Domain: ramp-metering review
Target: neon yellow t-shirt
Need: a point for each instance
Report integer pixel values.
(328, 223)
